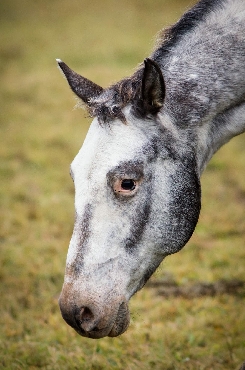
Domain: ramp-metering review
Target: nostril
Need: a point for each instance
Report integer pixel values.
(85, 319)
(86, 315)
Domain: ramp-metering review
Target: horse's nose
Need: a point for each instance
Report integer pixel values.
(92, 314)
(85, 319)
(89, 319)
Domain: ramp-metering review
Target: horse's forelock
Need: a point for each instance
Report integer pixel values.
(109, 105)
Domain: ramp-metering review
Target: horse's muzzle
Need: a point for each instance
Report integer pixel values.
(92, 316)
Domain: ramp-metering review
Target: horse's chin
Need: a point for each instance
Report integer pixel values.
(118, 326)
(122, 321)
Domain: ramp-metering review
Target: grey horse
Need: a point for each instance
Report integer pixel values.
(137, 175)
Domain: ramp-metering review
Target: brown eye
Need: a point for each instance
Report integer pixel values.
(128, 184)
(125, 186)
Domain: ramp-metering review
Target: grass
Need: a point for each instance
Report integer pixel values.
(40, 135)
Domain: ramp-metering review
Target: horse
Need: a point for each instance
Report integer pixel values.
(137, 175)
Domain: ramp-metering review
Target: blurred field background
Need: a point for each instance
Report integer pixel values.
(40, 134)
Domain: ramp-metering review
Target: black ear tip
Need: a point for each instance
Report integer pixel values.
(65, 70)
(148, 61)
(151, 63)
(59, 62)
(61, 65)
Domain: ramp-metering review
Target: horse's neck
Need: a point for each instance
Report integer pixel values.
(205, 78)
(211, 135)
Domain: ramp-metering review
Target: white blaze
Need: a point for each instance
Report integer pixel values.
(103, 149)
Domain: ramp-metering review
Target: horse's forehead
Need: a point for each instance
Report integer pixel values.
(105, 147)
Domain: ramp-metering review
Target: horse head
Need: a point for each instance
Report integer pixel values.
(137, 198)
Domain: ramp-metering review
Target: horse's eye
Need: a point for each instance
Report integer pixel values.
(128, 184)
(125, 187)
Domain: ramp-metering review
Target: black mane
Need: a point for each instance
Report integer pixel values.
(171, 36)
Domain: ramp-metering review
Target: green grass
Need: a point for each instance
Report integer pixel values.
(40, 134)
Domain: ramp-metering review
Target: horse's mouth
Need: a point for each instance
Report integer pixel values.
(122, 321)
(115, 328)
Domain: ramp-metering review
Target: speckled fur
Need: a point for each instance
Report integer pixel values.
(118, 242)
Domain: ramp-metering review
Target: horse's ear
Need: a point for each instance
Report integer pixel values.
(81, 86)
(153, 87)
